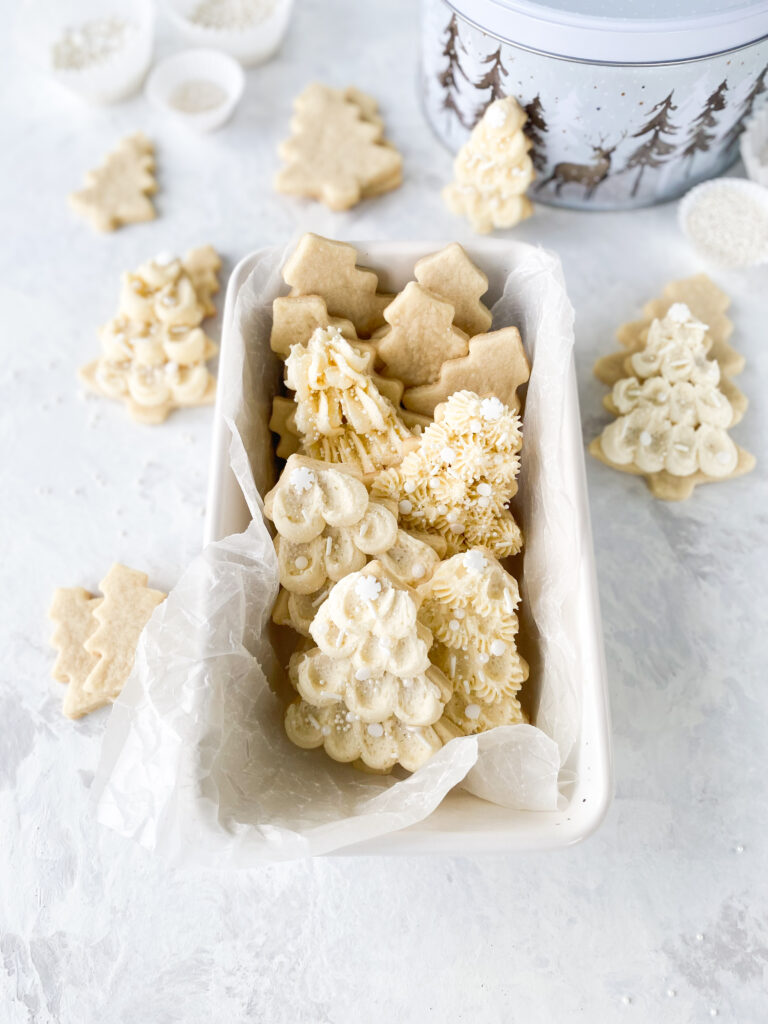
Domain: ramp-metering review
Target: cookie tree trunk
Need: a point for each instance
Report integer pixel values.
(655, 149)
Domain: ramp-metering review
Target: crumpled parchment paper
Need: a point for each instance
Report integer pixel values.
(195, 761)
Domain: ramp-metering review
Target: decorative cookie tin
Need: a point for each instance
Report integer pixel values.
(623, 111)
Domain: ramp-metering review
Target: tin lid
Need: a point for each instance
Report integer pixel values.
(633, 32)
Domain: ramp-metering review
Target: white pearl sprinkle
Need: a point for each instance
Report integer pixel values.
(406, 507)
(301, 562)
(409, 487)
(645, 438)
(498, 647)
(362, 674)
(671, 993)
(453, 625)
(418, 570)
(472, 711)
(375, 729)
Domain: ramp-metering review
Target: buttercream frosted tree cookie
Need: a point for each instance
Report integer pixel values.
(328, 528)
(470, 606)
(154, 351)
(672, 418)
(341, 415)
(371, 671)
(337, 153)
(118, 191)
(493, 170)
(457, 482)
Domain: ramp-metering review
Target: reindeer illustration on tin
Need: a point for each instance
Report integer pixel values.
(588, 175)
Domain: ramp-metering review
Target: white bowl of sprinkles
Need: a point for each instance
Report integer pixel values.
(249, 30)
(200, 88)
(99, 49)
(726, 221)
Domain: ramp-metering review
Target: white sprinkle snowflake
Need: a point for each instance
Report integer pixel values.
(491, 409)
(475, 561)
(302, 479)
(367, 588)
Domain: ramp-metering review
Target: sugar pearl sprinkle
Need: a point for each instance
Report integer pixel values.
(406, 507)
(301, 563)
(472, 712)
(375, 729)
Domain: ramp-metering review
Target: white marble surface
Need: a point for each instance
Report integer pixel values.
(660, 917)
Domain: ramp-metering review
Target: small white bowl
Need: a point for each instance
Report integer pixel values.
(754, 147)
(734, 235)
(178, 81)
(41, 24)
(252, 45)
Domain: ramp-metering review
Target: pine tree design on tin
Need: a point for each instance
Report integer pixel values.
(700, 138)
(738, 127)
(655, 150)
(447, 77)
(492, 79)
(535, 128)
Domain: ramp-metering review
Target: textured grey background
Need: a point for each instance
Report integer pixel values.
(660, 917)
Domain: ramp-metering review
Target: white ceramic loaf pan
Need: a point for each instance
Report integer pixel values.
(465, 824)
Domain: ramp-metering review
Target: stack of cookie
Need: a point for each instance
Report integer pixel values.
(154, 350)
(390, 524)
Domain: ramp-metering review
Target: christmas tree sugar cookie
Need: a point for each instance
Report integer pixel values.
(420, 338)
(369, 690)
(493, 170)
(451, 275)
(341, 415)
(336, 152)
(154, 351)
(127, 606)
(117, 192)
(458, 480)
(672, 417)
(321, 266)
(72, 611)
(470, 605)
(495, 364)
